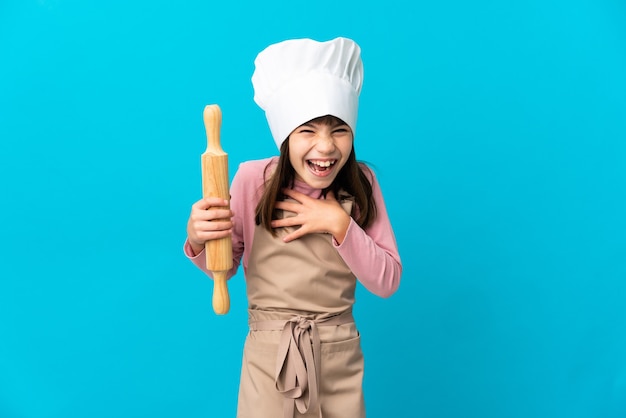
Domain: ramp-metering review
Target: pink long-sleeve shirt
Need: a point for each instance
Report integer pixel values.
(371, 253)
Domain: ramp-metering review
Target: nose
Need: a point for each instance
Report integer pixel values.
(325, 144)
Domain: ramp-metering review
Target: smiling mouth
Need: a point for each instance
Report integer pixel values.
(320, 166)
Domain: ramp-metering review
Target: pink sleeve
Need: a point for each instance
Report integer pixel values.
(244, 195)
(372, 253)
(200, 261)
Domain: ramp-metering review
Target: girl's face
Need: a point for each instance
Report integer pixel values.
(319, 149)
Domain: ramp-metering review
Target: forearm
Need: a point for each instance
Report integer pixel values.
(198, 258)
(340, 228)
(192, 249)
(376, 265)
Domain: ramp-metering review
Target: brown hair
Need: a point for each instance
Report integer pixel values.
(352, 179)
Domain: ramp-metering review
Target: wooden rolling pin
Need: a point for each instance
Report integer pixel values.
(219, 252)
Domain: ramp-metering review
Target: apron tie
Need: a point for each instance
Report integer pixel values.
(298, 361)
(298, 365)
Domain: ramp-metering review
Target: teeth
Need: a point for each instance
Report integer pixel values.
(323, 163)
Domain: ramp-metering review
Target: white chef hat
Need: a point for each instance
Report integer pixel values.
(301, 79)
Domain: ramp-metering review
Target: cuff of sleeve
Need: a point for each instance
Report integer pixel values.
(348, 233)
(189, 251)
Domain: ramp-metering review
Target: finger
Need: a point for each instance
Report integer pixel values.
(208, 202)
(289, 206)
(300, 232)
(211, 214)
(213, 235)
(285, 222)
(212, 226)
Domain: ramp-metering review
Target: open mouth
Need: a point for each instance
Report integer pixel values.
(321, 166)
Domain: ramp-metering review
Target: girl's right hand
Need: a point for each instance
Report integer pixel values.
(210, 219)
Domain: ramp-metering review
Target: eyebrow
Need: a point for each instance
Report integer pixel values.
(333, 125)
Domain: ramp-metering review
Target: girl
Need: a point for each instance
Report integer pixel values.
(306, 225)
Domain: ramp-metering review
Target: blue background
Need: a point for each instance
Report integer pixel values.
(498, 132)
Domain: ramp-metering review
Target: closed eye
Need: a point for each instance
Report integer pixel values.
(342, 130)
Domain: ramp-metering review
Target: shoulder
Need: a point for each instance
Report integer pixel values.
(368, 172)
(255, 169)
(249, 180)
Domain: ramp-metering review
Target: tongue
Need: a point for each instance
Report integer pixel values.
(317, 167)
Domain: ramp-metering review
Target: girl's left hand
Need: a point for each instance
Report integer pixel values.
(313, 216)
